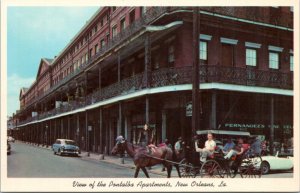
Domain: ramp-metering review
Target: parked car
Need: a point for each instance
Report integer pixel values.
(65, 146)
(276, 163)
(10, 139)
(8, 148)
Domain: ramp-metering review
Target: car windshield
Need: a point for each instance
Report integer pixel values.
(70, 142)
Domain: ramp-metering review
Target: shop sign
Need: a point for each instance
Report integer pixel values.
(188, 109)
(255, 126)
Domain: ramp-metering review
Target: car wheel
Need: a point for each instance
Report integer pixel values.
(265, 167)
(54, 152)
(59, 152)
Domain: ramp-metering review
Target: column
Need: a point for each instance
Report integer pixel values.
(195, 91)
(164, 125)
(213, 116)
(120, 122)
(87, 133)
(78, 130)
(147, 110)
(272, 126)
(99, 76)
(100, 150)
(68, 134)
(119, 67)
(147, 60)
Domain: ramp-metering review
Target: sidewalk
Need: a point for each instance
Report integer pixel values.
(128, 162)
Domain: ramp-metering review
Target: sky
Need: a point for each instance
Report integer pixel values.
(34, 33)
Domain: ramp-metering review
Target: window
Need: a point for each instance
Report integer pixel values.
(123, 24)
(171, 57)
(101, 22)
(96, 48)
(143, 11)
(114, 9)
(203, 50)
(291, 63)
(102, 42)
(82, 60)
(107, 37)
(132, 16)
(273, 60)
(114, 31)
(90, 52)
(251, 57)
(86, 57)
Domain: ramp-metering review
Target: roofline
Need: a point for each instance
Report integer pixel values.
(78, 34)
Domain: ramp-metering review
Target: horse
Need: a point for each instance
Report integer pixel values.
(142, 158)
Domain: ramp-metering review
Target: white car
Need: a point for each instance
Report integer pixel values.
(276, 163)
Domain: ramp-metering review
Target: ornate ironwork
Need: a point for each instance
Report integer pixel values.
(178, 76)
(136, 26)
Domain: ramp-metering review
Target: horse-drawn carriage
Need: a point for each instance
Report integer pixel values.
(188, 164)
(248, 164)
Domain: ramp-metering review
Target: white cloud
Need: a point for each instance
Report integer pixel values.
(14, 84)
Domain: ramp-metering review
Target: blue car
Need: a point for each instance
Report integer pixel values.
(65, 146)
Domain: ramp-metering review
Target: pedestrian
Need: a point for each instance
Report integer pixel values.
(208, 149)
(178, 146)
(256, 146)
(264, 148)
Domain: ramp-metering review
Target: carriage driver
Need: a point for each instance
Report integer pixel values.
(209, 148)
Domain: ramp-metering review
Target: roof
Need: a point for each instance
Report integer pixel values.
(223, 132)
(48, 60)
(23, 91)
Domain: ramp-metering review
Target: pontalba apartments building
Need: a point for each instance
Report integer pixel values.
(134, 65)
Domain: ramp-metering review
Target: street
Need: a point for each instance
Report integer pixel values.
(30, 161)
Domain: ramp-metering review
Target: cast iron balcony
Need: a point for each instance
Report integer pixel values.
(179, 76)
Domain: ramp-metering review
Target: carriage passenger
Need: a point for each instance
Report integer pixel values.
(237, 150)
(209, 148)
(228, 146)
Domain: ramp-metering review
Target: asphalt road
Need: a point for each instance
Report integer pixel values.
(29, 161)
(33, 162)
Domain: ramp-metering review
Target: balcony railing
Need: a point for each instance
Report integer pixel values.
(132, 29)
(178, 76)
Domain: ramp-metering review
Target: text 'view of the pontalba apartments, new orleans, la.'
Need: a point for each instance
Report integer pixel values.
(131, 66)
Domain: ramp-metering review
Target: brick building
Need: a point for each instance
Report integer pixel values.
(134, 65)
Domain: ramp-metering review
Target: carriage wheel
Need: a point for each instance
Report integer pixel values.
(212, 169)
(186, 169)
(251, 167)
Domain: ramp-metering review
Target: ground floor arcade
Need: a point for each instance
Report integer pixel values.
(169, 116)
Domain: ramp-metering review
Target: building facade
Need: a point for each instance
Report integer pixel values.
(134, 65)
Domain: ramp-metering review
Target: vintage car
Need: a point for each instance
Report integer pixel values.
(8, 148)
(65, 146)
(276, 163)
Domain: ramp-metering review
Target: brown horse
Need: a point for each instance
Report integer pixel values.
(142, 158)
